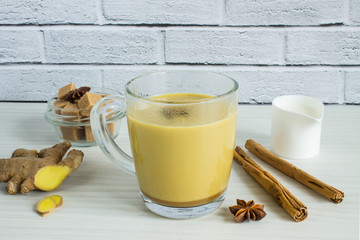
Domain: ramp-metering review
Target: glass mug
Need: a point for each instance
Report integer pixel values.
(182, 128)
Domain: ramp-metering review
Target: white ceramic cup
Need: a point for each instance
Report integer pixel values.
(296, 126)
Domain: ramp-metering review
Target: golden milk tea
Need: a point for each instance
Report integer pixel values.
(180, 159)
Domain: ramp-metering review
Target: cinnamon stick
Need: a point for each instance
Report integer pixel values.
(292, 171)
(296, 209)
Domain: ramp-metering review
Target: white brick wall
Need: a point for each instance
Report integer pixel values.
(355, 12)
(271, 47)
(338, 47)
(352, 87)
(264, 86)
(183, 12)
(101, 46)
(223, 47)
(284, 12)
(48, 12)
(20, 46)
(40, 84)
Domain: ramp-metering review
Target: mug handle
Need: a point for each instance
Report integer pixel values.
(102, 135)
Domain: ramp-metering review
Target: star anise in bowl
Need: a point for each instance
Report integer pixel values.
(76, 94)
(247, 211)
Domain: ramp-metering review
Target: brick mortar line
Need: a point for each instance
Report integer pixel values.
(347, 20)
(42, 47)
(183, 66)
(222, 10)
(159, 27)
(109, 23)
(100, 12)
(284, 46)
(343, 78)
(162, 46)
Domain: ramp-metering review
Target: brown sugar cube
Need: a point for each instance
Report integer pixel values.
(86, 112)
(109, 113)
(70, 109)
(86, 103)
(65, 90)
(89, 135)
(71, 133)
(60, 103)
(71, 113)
(88, 100)
(111, 127)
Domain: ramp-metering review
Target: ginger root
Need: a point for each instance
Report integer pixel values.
(28, 170)
(48, 204)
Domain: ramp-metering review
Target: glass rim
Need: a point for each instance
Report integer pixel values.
(212, 98)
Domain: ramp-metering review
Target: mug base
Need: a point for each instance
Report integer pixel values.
(183, 212)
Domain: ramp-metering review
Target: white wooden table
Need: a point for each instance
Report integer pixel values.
(102, 202)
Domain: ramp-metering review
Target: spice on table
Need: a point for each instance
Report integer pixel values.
(247, 211)
(292, 171)
(296, 209)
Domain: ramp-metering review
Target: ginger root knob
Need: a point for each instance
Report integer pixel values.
(28, 170)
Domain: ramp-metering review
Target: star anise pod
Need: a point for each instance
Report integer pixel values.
(247, 211)
(76, 94)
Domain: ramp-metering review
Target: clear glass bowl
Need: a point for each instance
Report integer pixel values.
(73, 126)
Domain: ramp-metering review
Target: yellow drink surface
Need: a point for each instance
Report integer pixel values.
(178, 161)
